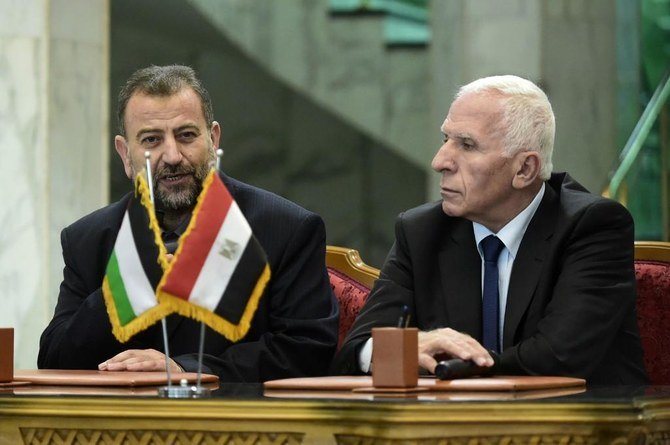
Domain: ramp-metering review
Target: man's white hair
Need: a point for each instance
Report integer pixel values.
(528, 121)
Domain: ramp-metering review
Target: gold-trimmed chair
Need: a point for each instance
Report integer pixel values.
(351, 280)
(652, 273)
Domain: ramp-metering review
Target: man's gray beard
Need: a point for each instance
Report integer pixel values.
(182, 199)
(179, 200)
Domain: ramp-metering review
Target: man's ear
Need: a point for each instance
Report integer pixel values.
(528, 169)
(215, 134)
(122, 149)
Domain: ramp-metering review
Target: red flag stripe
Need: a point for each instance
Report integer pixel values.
(208, 219)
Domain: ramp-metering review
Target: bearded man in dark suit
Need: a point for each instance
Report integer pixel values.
(564, 283)
(167, 112)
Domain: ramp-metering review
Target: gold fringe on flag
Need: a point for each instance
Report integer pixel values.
(233, 332)
(138, 324)
(142, 188)
(142, 321)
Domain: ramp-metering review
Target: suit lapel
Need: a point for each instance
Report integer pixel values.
(528, 263)
(460, 273)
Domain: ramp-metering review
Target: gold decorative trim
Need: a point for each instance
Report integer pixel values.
(43, 436)
(348, 261)
(525, 439)
(659, 438)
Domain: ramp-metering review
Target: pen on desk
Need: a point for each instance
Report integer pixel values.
(403, 321)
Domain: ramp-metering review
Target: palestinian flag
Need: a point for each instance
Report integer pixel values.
(133, 270)
(219, 271)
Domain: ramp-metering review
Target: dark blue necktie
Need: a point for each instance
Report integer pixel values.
(491, 248)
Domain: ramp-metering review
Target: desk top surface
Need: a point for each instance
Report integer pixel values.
(629, 395)
(253, 408)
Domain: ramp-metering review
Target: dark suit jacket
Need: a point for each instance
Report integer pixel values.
(294, 330)
(571, 297)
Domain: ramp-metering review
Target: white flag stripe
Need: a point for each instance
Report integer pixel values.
(138, 288)
(217, 270)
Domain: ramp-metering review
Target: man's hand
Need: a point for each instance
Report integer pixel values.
(138, 360)
(453, 343)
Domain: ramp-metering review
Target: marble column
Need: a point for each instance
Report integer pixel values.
(579, 69)
(54, 142)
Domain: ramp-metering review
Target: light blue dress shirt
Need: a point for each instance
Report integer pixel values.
(511, 235)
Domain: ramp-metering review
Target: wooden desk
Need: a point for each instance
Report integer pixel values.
(242, 414)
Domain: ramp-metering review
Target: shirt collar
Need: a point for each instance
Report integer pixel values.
(177, 231)
(512, 233)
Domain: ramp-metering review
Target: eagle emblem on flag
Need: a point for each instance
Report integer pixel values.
(219, 271)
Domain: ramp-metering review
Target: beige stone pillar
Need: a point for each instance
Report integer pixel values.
(54, 143)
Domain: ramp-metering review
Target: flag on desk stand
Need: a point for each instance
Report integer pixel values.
(135, 268)
(219, 271)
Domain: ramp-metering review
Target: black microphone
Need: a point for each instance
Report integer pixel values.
(171, 246)
(457, 368)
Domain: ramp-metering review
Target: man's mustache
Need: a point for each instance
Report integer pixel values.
(171, 171)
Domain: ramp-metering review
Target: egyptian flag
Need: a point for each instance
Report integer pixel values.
(135, 268)
(219, 270)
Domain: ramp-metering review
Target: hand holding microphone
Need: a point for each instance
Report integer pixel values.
(457, 368)
(442, 343)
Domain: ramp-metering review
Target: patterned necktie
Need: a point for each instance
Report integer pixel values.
(491, 247)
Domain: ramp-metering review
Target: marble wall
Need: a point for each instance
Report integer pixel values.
(53, 136)
(579, 70)
(568, 47)
(274, 135)
(401, 96)
(339, 61)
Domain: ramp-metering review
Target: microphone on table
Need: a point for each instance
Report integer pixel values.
(171, 246)
(457, 368)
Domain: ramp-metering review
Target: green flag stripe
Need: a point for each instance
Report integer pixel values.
(123, 307)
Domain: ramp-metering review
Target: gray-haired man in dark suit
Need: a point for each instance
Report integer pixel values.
(564, 277)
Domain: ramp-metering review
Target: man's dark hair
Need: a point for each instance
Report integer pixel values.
(163, 81)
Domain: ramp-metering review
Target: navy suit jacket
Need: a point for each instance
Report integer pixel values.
(293, 332)
(571, 297)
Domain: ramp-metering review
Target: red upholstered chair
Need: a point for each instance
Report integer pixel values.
(652, 271)
(351, 280)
